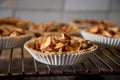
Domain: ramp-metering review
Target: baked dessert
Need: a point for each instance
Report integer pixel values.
(17, 22)
(85, 24)
(112, 32)
(55, 29)
(12, 37)
(103, 35)
(62, 50)
(9, 30)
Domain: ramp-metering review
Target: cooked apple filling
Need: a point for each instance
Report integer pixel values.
(64, 43)
(9, 30)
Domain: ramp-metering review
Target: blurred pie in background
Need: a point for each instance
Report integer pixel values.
(85, 24)
(16, 22)
(55, 28)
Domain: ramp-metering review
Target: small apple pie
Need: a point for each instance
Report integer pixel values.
(55, 29)
(12, 37)
(17, 22)
(62, 50)
(85, 24)
(108, 36)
